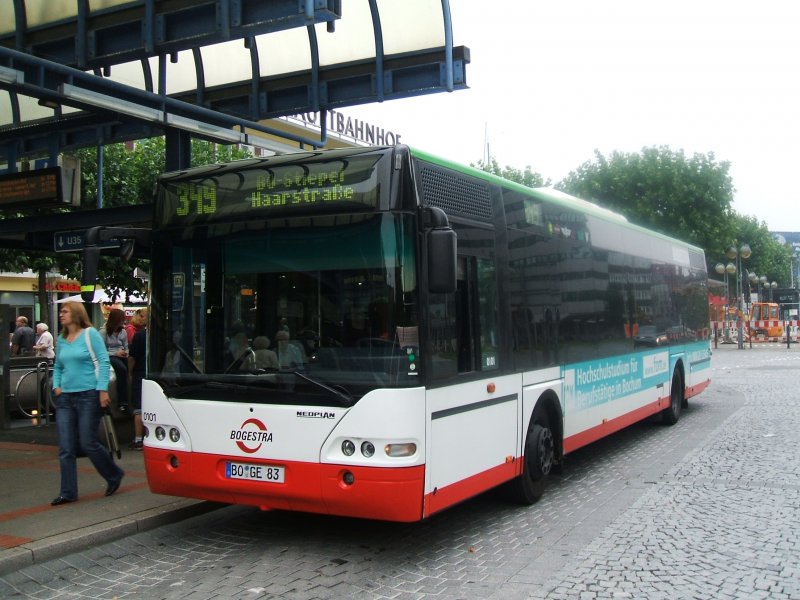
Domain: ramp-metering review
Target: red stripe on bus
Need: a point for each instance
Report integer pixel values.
(693, 390)
(459, 491)
(386, 493)
(600, 431)
(597, 432)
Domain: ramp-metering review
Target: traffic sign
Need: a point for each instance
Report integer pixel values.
(74, 241)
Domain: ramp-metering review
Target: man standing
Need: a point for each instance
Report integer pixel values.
(22, 340)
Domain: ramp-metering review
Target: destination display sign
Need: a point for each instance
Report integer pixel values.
(262, 189)
(31, 188)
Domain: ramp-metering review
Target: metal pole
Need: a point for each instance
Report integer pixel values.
(740, 298)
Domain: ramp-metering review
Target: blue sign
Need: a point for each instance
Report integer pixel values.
(73, 241)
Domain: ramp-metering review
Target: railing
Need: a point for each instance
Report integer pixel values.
(43, 398)
(726, 332)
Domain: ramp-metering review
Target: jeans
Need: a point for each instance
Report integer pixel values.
(77, 420)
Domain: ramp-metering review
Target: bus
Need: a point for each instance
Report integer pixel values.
(380, 333)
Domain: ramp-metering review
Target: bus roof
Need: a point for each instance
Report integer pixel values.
(549, 195)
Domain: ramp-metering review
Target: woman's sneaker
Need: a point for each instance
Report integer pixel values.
(136, 445)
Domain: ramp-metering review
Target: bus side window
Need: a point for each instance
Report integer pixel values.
(464, 324)
(487, 315)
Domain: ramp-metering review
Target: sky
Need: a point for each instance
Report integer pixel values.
(551, 82)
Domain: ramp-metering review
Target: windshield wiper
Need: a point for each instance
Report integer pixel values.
(183, 390)
(345, 398)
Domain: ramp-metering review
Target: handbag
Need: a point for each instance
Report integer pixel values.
(106, 420)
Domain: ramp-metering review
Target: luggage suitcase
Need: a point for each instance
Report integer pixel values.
(111, 433)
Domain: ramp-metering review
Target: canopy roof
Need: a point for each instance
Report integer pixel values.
(77, 73)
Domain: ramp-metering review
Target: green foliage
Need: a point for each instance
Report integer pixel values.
(528, 177)
(206, 153)
(769, 257)
(129, 173)
(685, 197)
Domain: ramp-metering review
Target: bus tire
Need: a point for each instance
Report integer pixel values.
(671, 414)
(537, 462)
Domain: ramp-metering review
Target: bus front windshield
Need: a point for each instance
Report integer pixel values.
(318, 310)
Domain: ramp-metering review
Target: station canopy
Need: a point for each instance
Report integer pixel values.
(77, 73)
(86, 73)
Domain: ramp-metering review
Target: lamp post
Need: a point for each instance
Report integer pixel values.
(753, 278)
(772, 287)
(738, 254)
(734, 253)
(726, 270)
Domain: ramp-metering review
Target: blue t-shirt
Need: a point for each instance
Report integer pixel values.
(73, 370)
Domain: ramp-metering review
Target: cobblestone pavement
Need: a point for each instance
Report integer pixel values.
(709, 508)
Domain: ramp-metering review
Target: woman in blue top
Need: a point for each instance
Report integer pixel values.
(81, 396)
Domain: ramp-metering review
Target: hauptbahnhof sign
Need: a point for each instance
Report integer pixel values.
(356, 129)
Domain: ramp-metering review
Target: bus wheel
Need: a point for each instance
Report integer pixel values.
(537, 462)
(671, 414)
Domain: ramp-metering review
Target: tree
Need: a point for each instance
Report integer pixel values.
(527, 177)
(684, 197)
(769, 257)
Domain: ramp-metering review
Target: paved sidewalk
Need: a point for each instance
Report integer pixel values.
(32, 531)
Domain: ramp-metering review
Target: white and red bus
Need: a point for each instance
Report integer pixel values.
(379, 333)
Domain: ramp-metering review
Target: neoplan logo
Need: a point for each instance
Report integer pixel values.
(246, 434)
(315, 414)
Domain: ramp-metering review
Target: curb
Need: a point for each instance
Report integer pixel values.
(49, 548)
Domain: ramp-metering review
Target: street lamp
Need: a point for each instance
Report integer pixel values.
(726, 270)
(772, 287)
(737, 254)
(753, 283)
(734, 253)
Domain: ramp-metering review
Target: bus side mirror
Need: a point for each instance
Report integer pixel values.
(441, 249)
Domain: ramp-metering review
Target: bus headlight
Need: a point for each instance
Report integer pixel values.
(400, 450)
(348, 448)
(160, 433)
(367, 449)
(174, 435)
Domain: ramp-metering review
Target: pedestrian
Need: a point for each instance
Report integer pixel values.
(116, 342)
(136, 368)
(44, 342)
(80, 382)
(23, 338)
(136, 323)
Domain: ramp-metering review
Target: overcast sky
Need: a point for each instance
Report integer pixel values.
(550, 82)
